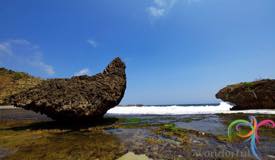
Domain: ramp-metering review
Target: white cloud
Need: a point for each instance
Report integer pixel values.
(84, 71)
(20, 42)
(20, 53)
(92, 43)
(160, 8)
(45, 67)
(156, 12)
(5, 49)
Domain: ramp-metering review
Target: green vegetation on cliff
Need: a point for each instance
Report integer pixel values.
(12, 82)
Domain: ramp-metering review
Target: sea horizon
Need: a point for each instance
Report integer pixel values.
(189, 109)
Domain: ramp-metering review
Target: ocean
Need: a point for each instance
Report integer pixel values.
(221, 108)
(181, 109)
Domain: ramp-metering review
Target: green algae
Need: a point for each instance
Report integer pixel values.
(67, 146)
(170, 130)
(153, 140)
(111, 138)
(29, 142)
(129, 123)
(132, 120)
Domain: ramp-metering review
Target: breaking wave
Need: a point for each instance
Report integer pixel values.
(223, 107)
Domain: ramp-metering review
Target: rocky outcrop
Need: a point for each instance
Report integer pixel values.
(12, 82)
(80, 98)
(250, 95)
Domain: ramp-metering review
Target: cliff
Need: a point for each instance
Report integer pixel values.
(12, 82)
(250, 95)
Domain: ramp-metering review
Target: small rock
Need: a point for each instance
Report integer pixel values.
(133, 156)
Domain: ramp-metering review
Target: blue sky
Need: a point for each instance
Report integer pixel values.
(176, 51)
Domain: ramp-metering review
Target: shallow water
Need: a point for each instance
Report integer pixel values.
(27, 135)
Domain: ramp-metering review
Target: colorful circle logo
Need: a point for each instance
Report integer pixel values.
(252, 136)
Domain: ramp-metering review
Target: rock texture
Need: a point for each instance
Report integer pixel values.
(250, 95)
(12, 82)
(80, 98)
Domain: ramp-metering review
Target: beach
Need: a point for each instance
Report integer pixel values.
(137, 80)
(28, 135)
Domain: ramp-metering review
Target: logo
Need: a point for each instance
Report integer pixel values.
(252, 135)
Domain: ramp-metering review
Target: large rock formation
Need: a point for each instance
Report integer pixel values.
(12, 82)
(250, 95)
(80, 98)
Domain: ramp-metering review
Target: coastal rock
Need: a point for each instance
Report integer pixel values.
(79, 98)
(250, 95)
(12, 82)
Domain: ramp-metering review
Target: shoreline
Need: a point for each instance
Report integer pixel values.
(168, 111)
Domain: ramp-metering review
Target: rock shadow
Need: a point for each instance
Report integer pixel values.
(65, 125)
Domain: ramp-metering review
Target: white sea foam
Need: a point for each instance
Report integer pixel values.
(223, 107)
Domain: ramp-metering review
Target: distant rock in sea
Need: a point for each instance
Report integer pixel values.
(12, 82)
(81, 98)
(250, 95)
